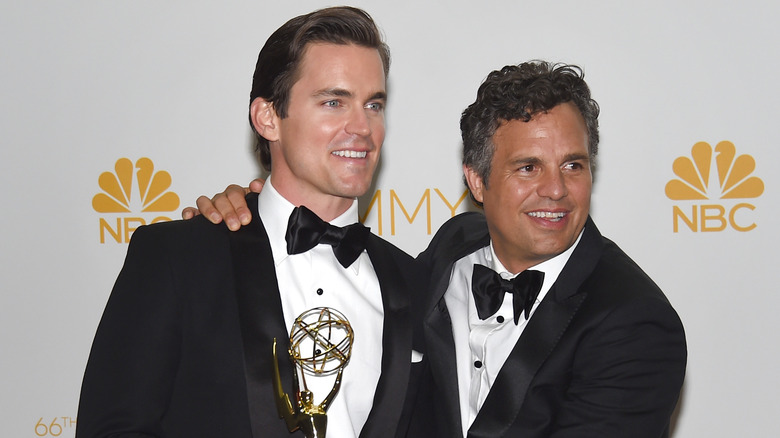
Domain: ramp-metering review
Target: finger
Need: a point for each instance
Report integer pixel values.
(236, 195)
(189, 213)
(256, 185)
(207, 209)
(226, 210)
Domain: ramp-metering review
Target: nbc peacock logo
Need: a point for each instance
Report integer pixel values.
(735, 182)
(133, 189)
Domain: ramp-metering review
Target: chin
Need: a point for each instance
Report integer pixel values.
(348, 193)
(354, 190)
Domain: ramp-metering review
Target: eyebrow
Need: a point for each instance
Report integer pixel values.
(577, 157)
(525, 160)
(340, 92)
(536, 160)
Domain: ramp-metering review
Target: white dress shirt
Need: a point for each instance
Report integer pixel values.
(316, 279)
(482, 346)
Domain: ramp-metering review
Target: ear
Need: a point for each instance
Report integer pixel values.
(476, 185)
(264, 119)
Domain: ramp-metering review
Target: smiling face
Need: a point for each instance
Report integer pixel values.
(537, 197)
(325, 151)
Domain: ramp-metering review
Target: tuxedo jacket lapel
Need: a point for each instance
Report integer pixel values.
(396, 342)
(261, 320)
(538, 340)
(440, 349)
(439, 343)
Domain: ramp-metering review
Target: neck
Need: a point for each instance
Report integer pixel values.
(516, 268)
(515, 263)
(327, 207)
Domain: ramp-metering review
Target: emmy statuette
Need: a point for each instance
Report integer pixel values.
(320, 345)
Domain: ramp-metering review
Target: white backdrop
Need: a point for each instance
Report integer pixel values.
(86, 83)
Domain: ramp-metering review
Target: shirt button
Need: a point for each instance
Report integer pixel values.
(320, 291)
(500, 319)
(477, 364)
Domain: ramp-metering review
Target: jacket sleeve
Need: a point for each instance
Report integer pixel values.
(626, 375)
(135, 353)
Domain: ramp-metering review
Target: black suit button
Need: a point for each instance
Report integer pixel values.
(320, 291)
(500, 319)
(477, 364)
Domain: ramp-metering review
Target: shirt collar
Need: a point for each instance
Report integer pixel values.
(275, 211)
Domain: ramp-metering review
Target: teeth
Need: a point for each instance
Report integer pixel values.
(350, 154)
(546, 215)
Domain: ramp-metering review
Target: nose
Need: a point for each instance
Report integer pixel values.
(553, 185)
(358, 123)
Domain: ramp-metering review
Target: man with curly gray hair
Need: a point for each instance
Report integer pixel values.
(553, 329)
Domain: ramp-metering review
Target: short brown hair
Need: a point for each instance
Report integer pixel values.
(278, 63)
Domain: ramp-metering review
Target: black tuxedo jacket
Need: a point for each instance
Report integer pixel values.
(603, 356)
(184, 346)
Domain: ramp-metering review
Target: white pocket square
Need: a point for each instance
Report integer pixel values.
(416, 356)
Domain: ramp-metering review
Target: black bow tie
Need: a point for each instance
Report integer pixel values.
(489, 288)
(305, 230)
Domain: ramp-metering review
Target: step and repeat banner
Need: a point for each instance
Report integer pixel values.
(118, 114)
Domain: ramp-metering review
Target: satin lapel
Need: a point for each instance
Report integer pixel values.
(508, 391)
(396, 342)
(261, 319)
(538, 340)
(439, 343)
